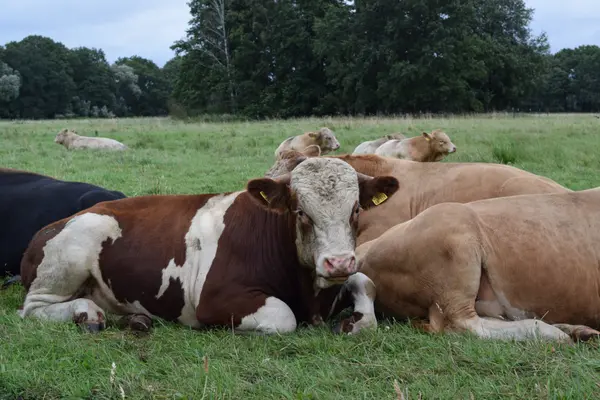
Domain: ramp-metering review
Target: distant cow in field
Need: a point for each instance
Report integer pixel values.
(324, 138)
(370, 146)
(72, 141)
(250, 260)
(494, 267)
(422, 185)
(30, 201)
(427, 147)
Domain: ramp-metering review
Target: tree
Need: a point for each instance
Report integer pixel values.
(10, 83)
(94, 80)
(127, 89)
(153, 85)
(47, 85)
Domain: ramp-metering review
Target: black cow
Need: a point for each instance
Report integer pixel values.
(29, 201)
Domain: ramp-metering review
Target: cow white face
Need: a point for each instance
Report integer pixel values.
(326, 196)
(62, 136)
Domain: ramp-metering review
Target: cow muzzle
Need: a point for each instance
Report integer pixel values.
(336, 269)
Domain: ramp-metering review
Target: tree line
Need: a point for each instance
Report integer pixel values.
(289, 58)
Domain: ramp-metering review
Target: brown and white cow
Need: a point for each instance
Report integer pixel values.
(422, 185)
(494, 267)
(246, 260)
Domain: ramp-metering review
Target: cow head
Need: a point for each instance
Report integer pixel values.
(325, 196)
(63, 136)
(439, 142)
(326, 139)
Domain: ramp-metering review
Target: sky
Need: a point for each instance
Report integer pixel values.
(148, 28)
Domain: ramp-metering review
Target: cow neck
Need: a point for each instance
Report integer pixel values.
(261, 246)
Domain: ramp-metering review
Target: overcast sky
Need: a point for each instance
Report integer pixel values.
(148, 27)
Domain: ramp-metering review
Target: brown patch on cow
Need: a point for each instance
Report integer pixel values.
(146, 248)
(257, 257)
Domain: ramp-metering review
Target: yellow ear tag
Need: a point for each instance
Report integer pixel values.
(264, 196)
(379, 198)
(427, 139)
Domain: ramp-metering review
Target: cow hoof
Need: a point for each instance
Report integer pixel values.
(140, 323)
(94, 327)
(345, 326)
(585, 334)
(136, 322)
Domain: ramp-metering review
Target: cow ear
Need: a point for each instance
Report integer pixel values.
(374, 191)
(273, 194)
(427, 136)
(314, 135)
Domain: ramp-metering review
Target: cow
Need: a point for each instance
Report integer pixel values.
(324, 138)
(428, 147)
(72, 141)
(252, 260)
(506, 268)
(30, 201)
(422, 185)
(370, 146)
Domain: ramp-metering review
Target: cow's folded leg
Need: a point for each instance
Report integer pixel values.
(83, 312)
(265, 315)
(527, 329)
(579, 333)
(362, 290)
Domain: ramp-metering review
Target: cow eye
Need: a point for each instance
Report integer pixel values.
(300, 213)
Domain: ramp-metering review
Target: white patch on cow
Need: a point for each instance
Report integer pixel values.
(488, 328)
(274, 317)
(201, 248)
(70, 258)
(361, 286)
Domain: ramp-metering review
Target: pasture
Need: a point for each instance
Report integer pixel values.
(51, 361)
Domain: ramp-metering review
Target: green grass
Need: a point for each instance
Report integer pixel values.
(56, 361)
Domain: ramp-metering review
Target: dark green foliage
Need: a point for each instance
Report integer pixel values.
(288, 58)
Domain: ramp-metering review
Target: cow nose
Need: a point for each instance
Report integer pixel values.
(340, 266)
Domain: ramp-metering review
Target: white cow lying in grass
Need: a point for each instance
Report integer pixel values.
(370, 146)
(72, 141)
(427, 147)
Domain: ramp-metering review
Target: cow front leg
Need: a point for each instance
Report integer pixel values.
(362, 291)
(253, 312)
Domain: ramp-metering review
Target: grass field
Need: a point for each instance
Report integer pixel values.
(58, 361)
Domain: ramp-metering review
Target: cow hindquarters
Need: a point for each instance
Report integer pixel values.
(69, 262)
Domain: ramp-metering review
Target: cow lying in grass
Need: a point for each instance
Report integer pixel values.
(249, 260)
(370, 146)
(29, 201)
(324, 138)
(422, 185)
(428, 147)
(494, 267)
(72, 141)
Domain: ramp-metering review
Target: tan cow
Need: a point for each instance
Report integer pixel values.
(324, 138)
(428, 147)
(494, 267)
(72, 141)
(422, 185)
(370, 146)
